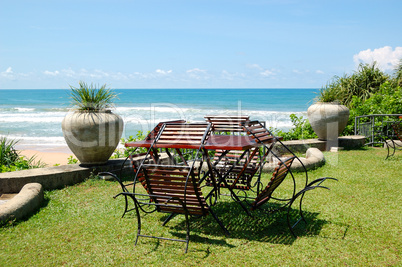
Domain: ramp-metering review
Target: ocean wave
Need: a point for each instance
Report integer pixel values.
(37, 140)
(40, 117)
(24, 109)
(45, 125)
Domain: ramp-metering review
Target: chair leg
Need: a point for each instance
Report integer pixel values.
(301, 193)
(171, 216)
(187, 230)
(300, 208)
(138, 221)
(219, 222)
(126, 206)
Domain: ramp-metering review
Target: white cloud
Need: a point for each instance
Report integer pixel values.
(51, 73)
(163, 72)
(7, 73)
(301, 71)
(319, 72)
(69, 73)
(196, 70)
(231, 75)
(254, 66)
(267, 73)
(198, 74)
(386, 58)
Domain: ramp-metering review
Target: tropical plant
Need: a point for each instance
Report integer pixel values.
(328, 93)
(10, 159)
(90, 97)
(397, 77)
(362, 83)
(8, 155)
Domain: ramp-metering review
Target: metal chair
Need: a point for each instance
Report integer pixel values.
(262, 135)
(394, 142)
(135, 160)
(173, 188)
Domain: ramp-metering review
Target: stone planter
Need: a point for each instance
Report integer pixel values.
(328, 120)
(92, 136)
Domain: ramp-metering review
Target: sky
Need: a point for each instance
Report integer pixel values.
(54, 44)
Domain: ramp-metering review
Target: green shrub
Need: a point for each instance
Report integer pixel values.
(388, 100)
(11, 161)
(72, 160)
(118, 153)
(302, 129)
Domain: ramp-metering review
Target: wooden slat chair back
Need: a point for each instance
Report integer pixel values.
(178, 183)
(181, 138)
(152, 134)
(259, 133)
(241, 171)
(262, 135)
(135, 159)
(184, 135)
(278, 176)
(227, 124)
(174, 190)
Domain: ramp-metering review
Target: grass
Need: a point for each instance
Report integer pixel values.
(357, 222)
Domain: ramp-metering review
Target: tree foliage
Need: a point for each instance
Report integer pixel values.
(367, 91)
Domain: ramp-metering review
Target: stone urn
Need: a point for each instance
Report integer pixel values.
(92, 135)
(328, 119)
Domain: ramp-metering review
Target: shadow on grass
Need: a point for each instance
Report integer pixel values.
(261, 226)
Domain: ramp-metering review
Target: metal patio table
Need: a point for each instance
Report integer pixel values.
(226, 143)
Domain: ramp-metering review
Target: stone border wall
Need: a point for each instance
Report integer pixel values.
(54, 177)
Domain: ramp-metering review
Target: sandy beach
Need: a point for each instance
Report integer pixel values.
(49, 157)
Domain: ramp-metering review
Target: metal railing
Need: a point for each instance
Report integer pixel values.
(375, 126)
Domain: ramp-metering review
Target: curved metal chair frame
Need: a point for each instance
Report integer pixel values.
(397, 127)
(134, 164)
(262, 135)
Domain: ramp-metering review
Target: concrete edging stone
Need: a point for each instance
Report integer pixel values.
(314, 159)
(24, 203)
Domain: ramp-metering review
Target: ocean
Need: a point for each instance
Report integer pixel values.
(33, 117)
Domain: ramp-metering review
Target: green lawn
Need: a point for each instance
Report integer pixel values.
(357, 222)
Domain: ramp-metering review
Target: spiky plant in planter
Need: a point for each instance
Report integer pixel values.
(89, 97)
(92, 131)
